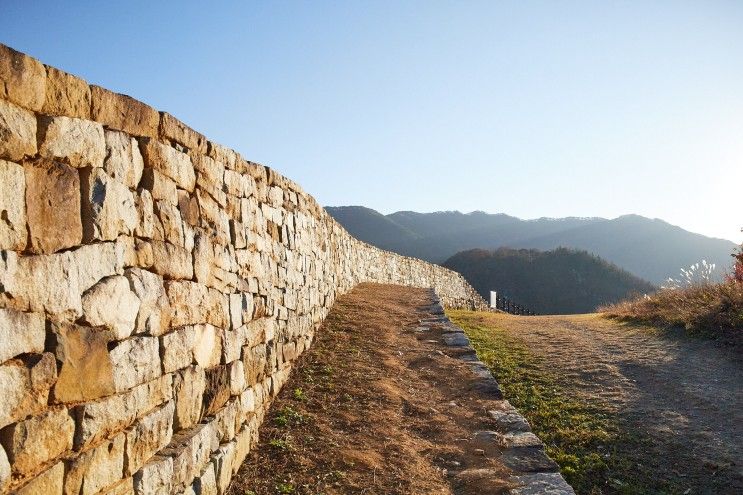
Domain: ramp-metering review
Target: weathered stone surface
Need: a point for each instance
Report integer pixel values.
(155, 477)
(123, 160)
(159, 185)
(100, 419)
(540, 484)
(108, 207)
(96, 469)
(194, 303)
(50, 482)
(34, 441)
(191, 449)
(123, 487)
(206, 484)
(255, 360)
(55, 282)
(123, 113)
(224, 463)
(237, 377)
(177, 348)
(189, 386)
(528, 460)
(20, 333)
(174, 130)
(147, 437)
(86, 372)
(77, 142)
(112, 304)
(4, 469)
(509, 420)
(23, 79)
(170, 162)
(53, 206)
(154, 310)
(135, 360)
(207, 345)
(217, 391)
(17, 132)
(24, 386)
(13, 232)
(172, 262)
(66, 95)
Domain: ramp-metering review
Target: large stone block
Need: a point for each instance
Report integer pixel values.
(13, 232)
(53, 206)
(147, 437)
(103, 418)
(96, 469)
(20, 333)
(24, 386)
(123, 160)
(17, 132)
(55, 282)
(135, 360)
(188, 386)
(50, 482)
(86, 372)
(108, 207)
(154, 310)
(191, 450)
(171, 261)
(160, 186)
(155, 477)
(77, 142)
(207, 345)
(66, 95)
(112, 304)
(123, 113)
(173, 129)
(37, 440)
(177, 348)
(170, 162)
(23, 79)
(194, 303)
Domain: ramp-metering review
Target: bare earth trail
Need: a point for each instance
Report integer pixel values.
(380, 405)
(684, 393)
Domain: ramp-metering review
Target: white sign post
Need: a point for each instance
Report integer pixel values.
(493, 299)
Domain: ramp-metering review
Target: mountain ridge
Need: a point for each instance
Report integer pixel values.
(649, 248)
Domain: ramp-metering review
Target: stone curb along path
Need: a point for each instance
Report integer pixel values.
(522, 451)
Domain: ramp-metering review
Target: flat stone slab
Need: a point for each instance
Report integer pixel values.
(509, 421)
(529, 460)
(541, 484)
(455, 339)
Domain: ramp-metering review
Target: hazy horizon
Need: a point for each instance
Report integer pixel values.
(536, 108)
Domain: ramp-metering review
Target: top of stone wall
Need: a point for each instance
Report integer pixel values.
(46, 90)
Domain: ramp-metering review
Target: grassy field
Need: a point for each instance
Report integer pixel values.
(565, 374)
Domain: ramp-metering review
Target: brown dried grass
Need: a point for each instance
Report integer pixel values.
(715, 309)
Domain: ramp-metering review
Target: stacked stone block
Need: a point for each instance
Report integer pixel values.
(155, 288)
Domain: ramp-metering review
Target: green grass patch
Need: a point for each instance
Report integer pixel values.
(596, 455)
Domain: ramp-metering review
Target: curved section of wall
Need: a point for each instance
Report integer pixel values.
(155, 288)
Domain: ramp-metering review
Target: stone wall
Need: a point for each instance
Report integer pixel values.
(155, 288)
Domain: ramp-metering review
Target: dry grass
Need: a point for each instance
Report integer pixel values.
(714, 309)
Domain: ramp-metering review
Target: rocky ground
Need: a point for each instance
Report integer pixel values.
(390, 399)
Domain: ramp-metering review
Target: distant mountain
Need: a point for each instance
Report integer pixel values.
(561, 281)
(648, 248)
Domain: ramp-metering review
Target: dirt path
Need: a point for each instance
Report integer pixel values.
(380, 405)
(683, 393)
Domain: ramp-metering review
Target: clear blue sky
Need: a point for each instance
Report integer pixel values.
(596, 108)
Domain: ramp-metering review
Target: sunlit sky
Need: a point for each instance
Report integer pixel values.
(528, 108)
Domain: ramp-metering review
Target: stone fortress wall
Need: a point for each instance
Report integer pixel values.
(155, 288)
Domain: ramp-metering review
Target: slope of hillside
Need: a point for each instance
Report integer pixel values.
(648, 248)
(562, 281)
